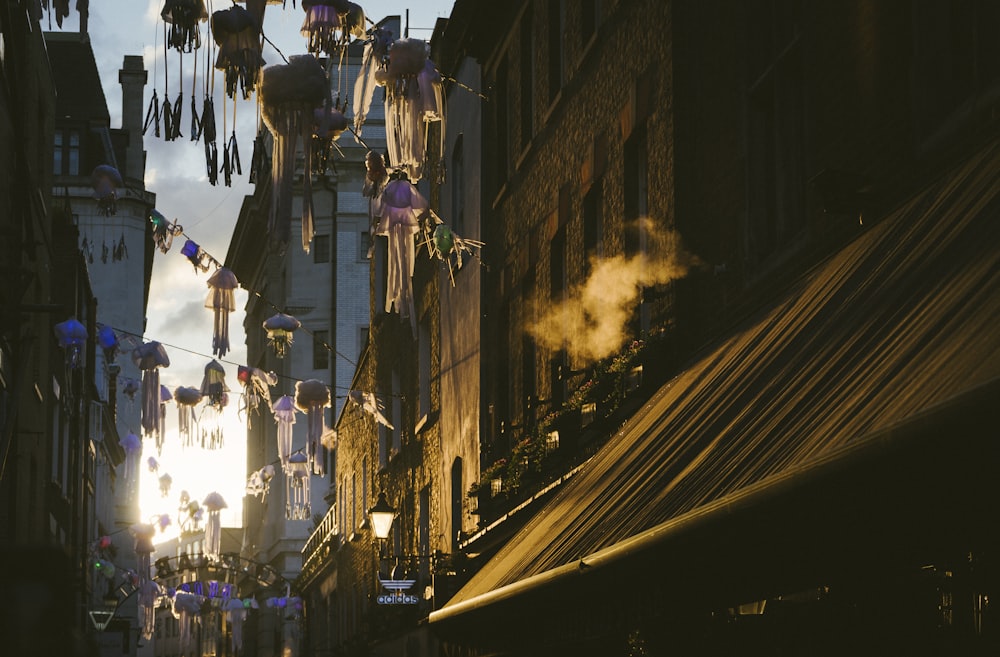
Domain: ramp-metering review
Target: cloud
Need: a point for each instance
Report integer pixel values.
(592, 322)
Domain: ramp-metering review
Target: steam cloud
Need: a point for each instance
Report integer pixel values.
(592, 322)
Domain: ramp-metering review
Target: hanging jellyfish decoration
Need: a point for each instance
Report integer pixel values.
(400, 208)
(165, 481)
(186, 608)
(71, 336)
(280, 332)
(221, 300)
(130, 388)
(289, 94)
(237, 34)
(152, 464)
(149, 357)
(375, 179)
(186, 399)
(108, 341)
(312, 397)
(106, 181)
(165, 398)
(184, 18)
(297, 504)
(328, 124)
(215, 393)
(163, 521)
(330, 24)
(449, 247)
(148, 594)
(284, 416)
(256, 389)
(236, 613)
(370, 404)
(414, 98)
(132, 445)
(214, 503)
(164, 231)
(259, 482)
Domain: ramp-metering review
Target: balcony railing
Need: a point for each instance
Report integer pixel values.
(326, 530)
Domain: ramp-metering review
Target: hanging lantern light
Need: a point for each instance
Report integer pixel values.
(256, 389)
(106, 180)
(186, 398)
(311, 397)
(149, 357)
(213, 527)
(165, 481)
(72, 336)
(289, 94)
(400, 208)
(297, 488)
(280, 330)
(284, 415)
(132, 445)
(222, 301)
(215, 393)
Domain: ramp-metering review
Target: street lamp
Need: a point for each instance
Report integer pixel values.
(381, 515)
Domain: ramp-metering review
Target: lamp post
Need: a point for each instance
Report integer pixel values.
(382, 515)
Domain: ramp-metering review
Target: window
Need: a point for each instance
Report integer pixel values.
(381, 253)
(458, 185)
(424, 531)
(66, 154)
(527, 65)
(321, 248)
(321, 350)
(555, 11)
(636, 162)
(557, 265)
(593, 236)
(457, 492)
(364, 484)
(775, 213)
(354, 501)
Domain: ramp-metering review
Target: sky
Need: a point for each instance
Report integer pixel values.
(175, 172)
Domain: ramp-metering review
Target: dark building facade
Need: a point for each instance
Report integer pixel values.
(806, 467)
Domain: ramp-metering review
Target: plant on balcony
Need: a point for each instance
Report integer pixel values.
(497, 469)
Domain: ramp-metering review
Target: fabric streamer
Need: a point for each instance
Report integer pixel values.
(284, 416)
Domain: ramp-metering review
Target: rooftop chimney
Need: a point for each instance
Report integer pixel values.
(132, 77)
